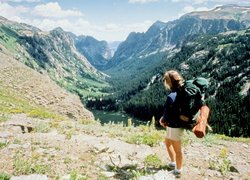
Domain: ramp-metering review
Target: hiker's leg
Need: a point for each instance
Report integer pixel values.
(178, 152)
(170, 149)
(173, 144)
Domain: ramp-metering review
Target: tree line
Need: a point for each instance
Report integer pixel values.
(223, 59)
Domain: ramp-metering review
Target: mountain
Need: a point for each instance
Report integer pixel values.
(113, 45)
(142, 43)
(162, 37)
(54, 54)
(24, 90)
(238, 13)
(196, 45)
(223, 59)
(97, 52)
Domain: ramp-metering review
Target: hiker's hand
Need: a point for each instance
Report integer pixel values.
(162, 123)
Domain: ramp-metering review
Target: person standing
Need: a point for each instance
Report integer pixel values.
(173, 81)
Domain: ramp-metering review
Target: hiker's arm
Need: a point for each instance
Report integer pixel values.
(165, 118)
(162, 123)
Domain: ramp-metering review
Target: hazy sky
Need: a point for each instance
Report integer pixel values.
(110, 20)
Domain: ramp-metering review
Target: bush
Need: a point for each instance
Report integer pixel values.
(4, 176)
(152, 161)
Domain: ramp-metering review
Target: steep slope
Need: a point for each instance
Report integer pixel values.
(97, 52)
(38, 89)
(239, 13)
(52, 53)
(162, 37)
(225, 60)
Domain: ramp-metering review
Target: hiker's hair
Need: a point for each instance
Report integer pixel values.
(172, 80)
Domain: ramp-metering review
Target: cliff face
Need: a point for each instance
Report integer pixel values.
(163, 36)
(97, 52)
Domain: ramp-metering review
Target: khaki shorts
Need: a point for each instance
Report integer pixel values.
(174, 133)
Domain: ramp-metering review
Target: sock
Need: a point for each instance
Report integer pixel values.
(178, 170)
(172, 163)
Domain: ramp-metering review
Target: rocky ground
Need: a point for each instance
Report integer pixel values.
(46, 149)
(39, 89)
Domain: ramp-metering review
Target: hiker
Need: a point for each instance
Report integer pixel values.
(173, 81)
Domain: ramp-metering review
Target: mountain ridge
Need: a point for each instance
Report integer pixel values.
(52, 53)
(182, 44)
(173, 33)
(97, 52)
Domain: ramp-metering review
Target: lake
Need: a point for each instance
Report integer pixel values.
(115, 117)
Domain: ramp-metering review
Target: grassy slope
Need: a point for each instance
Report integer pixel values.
(82, 85)
(12, 103)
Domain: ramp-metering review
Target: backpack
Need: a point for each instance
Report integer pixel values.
(190, 98)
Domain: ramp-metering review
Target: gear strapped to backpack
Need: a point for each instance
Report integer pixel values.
(190, 98)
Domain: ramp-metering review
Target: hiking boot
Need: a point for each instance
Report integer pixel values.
(171, 165)
(176, 173)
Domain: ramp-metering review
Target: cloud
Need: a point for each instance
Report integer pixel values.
(108, 32)
(213, 1)
(190, 1)
(12, 12)
(19, 1)
(49, 10)
(49, 16)
(49, 24)
(53, 10)
(188, 9)
(142, 1)
(121, 31)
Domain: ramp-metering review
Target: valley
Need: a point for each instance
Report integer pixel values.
(127, 77)
(74, 107)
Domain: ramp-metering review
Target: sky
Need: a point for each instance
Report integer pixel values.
(109, 20)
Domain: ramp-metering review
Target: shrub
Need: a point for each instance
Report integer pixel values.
(150, 139)
(4, 176)
(152, 161)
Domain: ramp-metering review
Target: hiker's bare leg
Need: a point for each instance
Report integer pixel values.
(170, 149)
(178, 152)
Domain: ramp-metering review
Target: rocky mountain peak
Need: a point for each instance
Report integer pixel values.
(58, 30)
(155, 28)
(162, 36)
(2, 19)
(97, 52)
(159, 25)
(60, 33)
(231, 11)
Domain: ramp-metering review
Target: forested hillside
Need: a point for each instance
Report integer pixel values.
(215, 48)
(53, 84)
(223, 59)
(52, 54)
(163, 37)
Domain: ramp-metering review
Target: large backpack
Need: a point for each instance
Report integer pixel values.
(190, 98)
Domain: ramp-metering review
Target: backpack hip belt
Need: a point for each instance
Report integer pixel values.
(184, 118)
